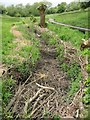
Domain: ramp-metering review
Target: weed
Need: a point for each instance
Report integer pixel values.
(56, 117)
(60, 53)
(86, 97)
(52, 41)
(7, 86)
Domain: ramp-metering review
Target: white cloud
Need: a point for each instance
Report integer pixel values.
(54, 2)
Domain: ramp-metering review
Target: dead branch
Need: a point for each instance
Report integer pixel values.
(62, 77)
(30, 100)
(51, 109)
(16, 104)
(35, 80)
(41, 104)
(65, 49)
(27, 80)
(44, 87)
(38, 99)
(77, 113)
(73, 102)
(18, 93)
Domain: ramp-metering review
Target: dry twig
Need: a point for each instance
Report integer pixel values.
(30, 100)
(44, 87)
(38, 99)
(41, 104)
(17, 95)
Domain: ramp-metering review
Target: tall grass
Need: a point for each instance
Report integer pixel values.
(7, 36)
(67, 34)
(77, 19)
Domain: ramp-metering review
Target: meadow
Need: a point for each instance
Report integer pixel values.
(79, 18)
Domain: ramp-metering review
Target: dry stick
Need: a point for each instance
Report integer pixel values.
(77, 113)
(27, 80)
(18, 93)
(44, 87)
(16, 103)
(35, 104)
(41, 105)
(30, 100)
(64, 49)
(14, 108)
(56, 103)
(62, 77)
(35, 80)
(51, 109)
(75, 96)
(85, 74)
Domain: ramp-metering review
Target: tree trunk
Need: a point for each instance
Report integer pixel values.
(42, 18)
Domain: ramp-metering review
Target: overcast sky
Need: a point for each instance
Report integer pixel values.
(9, 2)
(24, 2)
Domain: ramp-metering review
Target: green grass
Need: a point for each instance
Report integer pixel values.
(77, 19)
(30, 53)
(49, 38)
(73, 73)
(7, 86)
(7, 36)
(67, 34)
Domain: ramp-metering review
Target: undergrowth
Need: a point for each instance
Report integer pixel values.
(72, 71)
(86, 96)
(49, 38)
(20, 70)
(67, 34)
(79, 18)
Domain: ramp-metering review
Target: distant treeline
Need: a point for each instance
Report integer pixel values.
(20, 10)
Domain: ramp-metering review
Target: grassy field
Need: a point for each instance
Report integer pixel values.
(66, 33)
(80, 19)
(7, 36)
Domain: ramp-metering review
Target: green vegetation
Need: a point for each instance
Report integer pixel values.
(21, 10)
(72, 71)
(25, 59)
(7, 36)
(86, 97)
(21, 69)
(67, 34)
(80, 18)
(50, 39)
(56, 117)
(8, 85)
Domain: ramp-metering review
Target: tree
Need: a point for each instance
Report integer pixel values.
(85, 5)
(42, 9)
(73, 6)
(51, 10)
(2, 9)
(61, 7)
(11, 10)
